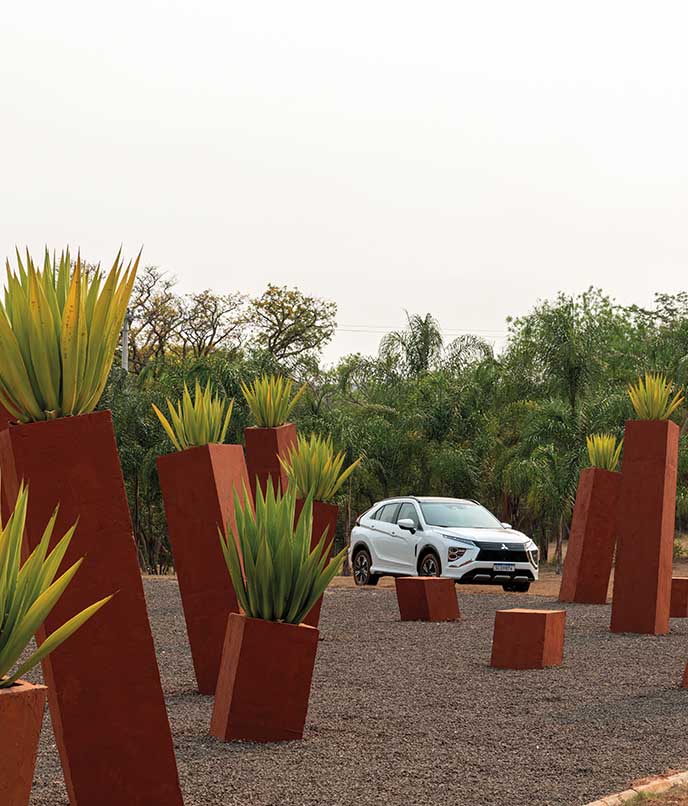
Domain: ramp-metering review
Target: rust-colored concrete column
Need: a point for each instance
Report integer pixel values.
(324, 517)
(642, 577)
(104, 691)
(263, 446)
(198, 490)
(265, 681)
(427, 599)
(590, 553)
(5, 419)
(528, 639)
(21, 717)
(679, 597)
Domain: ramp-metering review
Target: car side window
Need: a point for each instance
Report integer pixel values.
(388, 513)
(408, 511)
(376, 515)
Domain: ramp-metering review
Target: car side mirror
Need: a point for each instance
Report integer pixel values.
(506, 525)
(408, 524)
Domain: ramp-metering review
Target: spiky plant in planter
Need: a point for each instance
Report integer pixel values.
(604, 451)
(201, 421)
(271, 402)
(267, 664)
(314, 469)
(199, 477)
(28, 592)
(59, 328)
(282, 575)
(652, 399)
(647, 507)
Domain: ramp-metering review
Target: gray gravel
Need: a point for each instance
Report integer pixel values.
(412, 714)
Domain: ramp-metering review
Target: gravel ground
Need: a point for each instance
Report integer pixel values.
(412, 714)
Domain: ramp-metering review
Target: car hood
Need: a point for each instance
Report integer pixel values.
(496, 536)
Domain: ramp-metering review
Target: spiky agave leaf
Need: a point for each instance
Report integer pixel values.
(29, 591)
(313, 467)
(276, 574)
(604, 451)
(651, 397)
(270, 400)
(200, 421)
(58, 334)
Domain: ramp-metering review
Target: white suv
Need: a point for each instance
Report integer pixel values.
(449, 537)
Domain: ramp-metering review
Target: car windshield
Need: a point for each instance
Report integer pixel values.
(458, 514)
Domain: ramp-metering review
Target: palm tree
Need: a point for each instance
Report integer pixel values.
(417, 348)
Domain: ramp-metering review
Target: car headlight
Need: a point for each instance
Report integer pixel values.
(455, 553)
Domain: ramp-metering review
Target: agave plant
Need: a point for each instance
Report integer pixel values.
(604, 451)
(270, 401)
(313, 468)
(651, 397)
(200, 421)
(29, 592)
(282, 576)
(59, 328)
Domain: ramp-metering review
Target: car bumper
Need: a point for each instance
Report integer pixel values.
(484, 573)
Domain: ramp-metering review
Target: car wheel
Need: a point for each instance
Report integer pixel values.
(429, 565)
(517, 587)
(361, 568)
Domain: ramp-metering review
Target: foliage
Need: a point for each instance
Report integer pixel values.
(58, 331)
(604, 451)
(29, 591)
(651, 397)
(508, 429)
(290, 325)
(270, 400)
(200, 421)
(282, 577)
(314, 469)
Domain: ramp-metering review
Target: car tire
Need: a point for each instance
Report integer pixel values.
(360, 568)
(429, 564)
(517, 587)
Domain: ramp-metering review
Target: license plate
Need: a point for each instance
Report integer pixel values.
(503, 567)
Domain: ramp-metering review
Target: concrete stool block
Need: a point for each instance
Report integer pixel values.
(679, 597)
(427, 599)
(528, 639)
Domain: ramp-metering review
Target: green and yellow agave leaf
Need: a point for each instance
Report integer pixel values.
(276, 574)
(313, 468)
(29, 591)
(270, 400)
(604, 451)
(652, 397)
(201, 421)
(59, 328)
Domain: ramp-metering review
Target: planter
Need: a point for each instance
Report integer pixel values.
(427, 599)
(590, 553)
(198, 490)
(642, 578)
(264, 682)
(528, 639)
(21, 717)
(263, 446)
(679, 597)
(324, 517)
(104, 691)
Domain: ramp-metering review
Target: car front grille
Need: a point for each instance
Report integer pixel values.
(499, 555)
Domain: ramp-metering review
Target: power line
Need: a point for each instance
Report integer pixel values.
(382, 330)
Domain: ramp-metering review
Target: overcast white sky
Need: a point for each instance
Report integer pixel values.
(463, 158)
